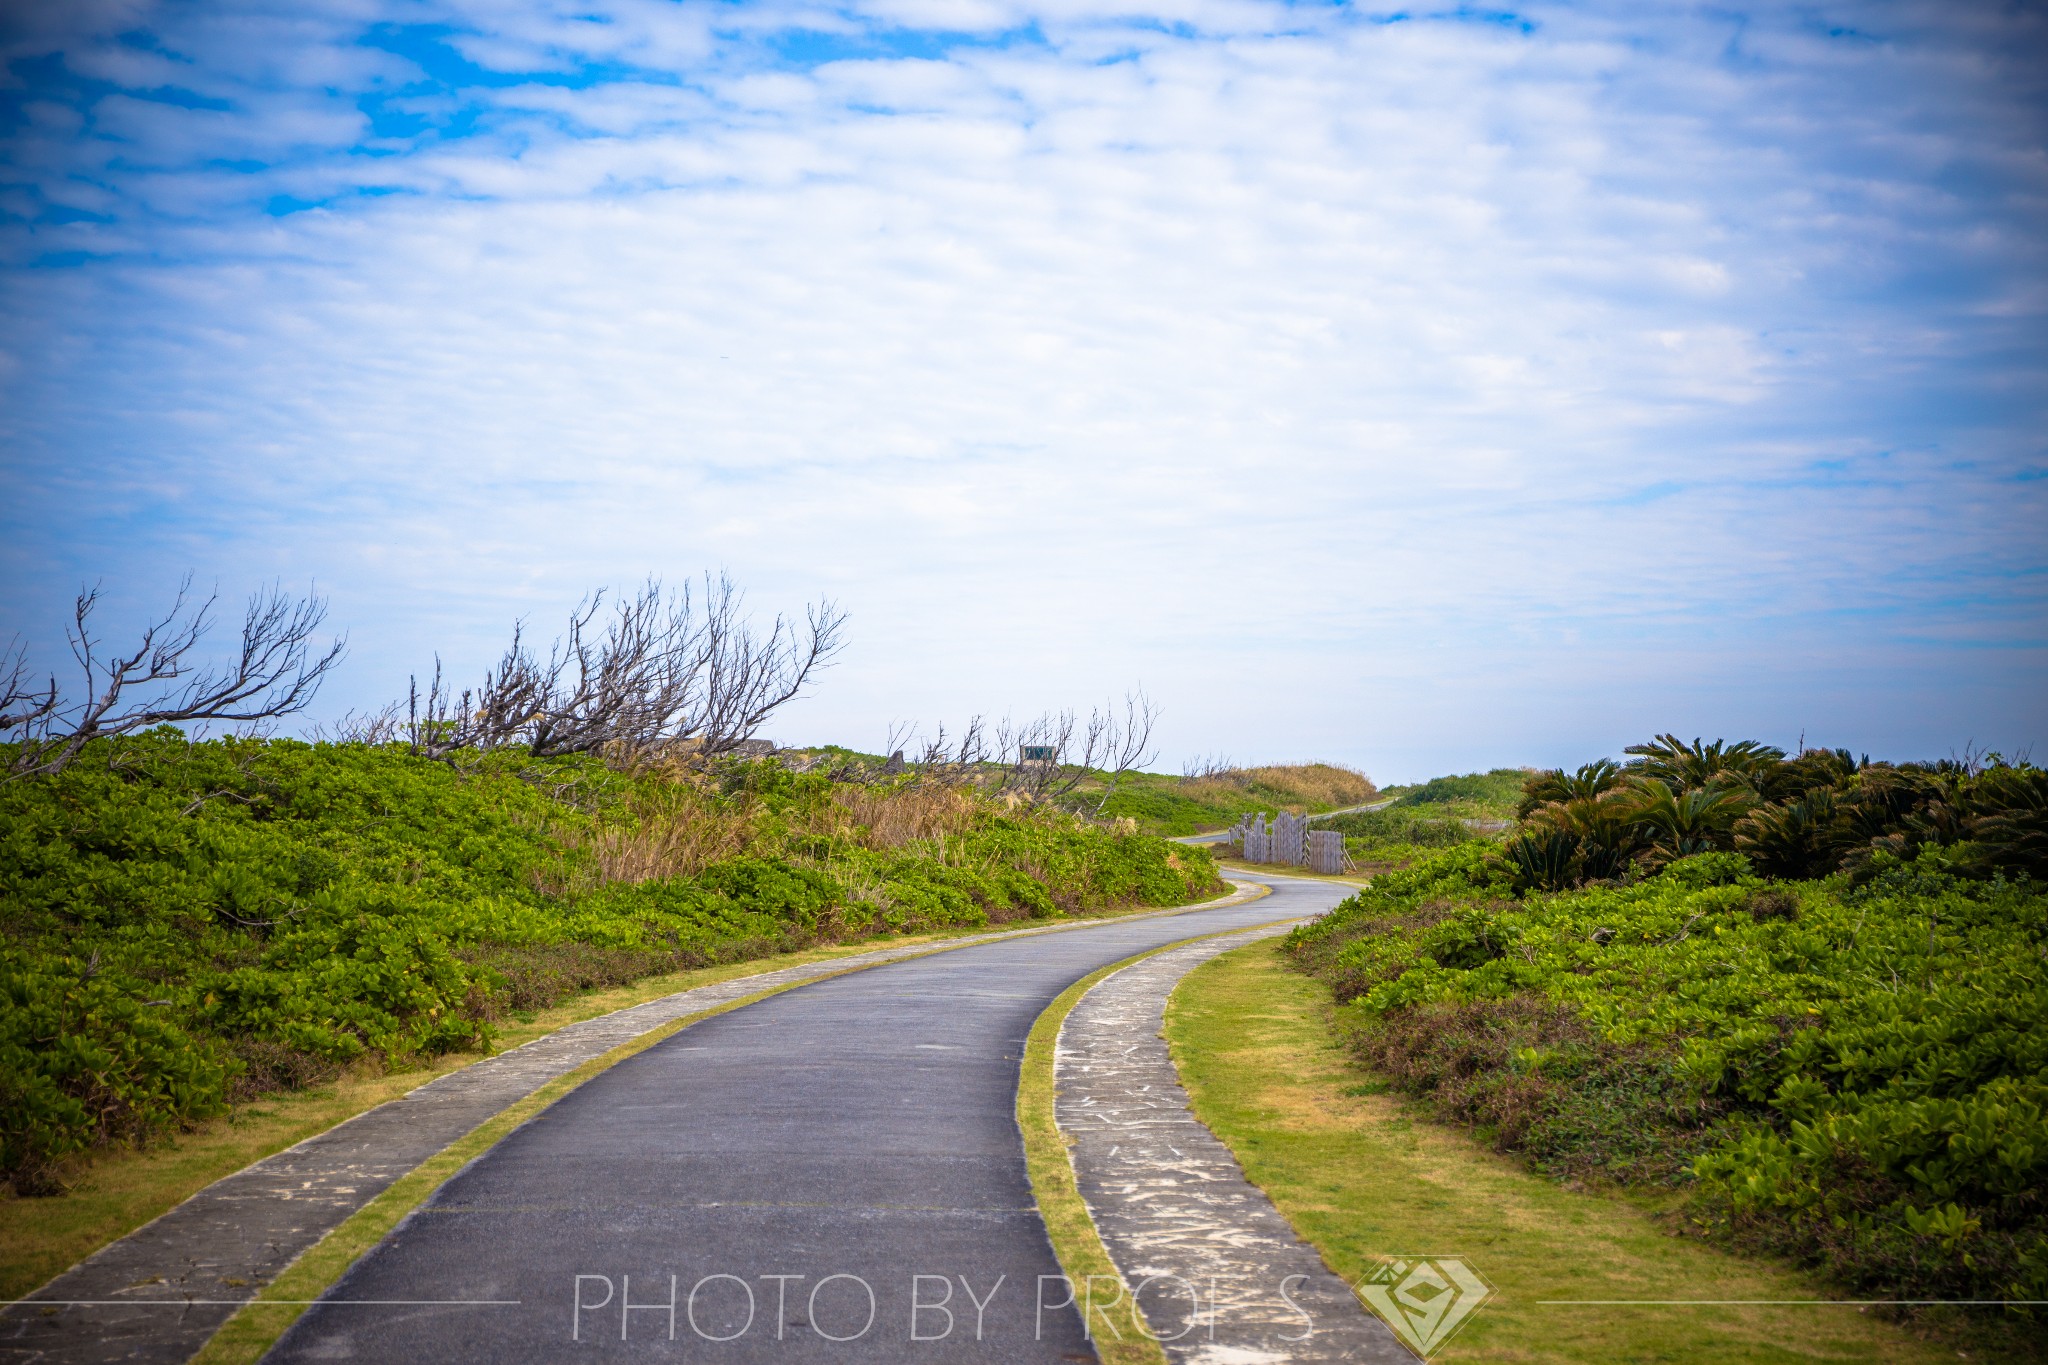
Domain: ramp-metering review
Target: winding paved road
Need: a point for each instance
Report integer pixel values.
(832, 1174)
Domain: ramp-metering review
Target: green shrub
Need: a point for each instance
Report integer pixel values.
(186, 924)
(1494, 792)
(84, 1059)
(1856, 1074)
(1399, 832)
(1163, 804)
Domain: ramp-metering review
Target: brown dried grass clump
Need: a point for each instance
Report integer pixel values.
(676, 829)
(890, 817)
(679, 827)
(1305, 784)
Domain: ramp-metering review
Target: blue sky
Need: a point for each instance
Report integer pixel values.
(1424, 388)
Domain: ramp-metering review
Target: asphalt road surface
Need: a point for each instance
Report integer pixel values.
(832, 1174)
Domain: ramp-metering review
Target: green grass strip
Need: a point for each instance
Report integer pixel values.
(1074, 1239)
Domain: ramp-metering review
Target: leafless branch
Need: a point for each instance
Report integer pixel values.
(1043, 763)
(274, 673)
(22, 706)
(381, 726)
(746, 678)
(1122, 741)
(1054, 753)
(661, 670)
(960, 761)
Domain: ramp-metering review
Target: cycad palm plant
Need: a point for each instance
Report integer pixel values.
(1814, 768)
(1793, 840)
(1681, 823)
(1688, 767)
(1601, 833)
(2009, 818)
(1591, 780)
(1544, 859)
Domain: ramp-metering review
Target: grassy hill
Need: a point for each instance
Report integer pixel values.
(1164, 804)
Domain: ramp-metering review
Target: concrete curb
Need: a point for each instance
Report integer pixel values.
(1217, 1271)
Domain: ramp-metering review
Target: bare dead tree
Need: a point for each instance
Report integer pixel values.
(1044, 766)
(661, 669)
(381, 726)
(1120, 741)
(744, 678)
(1208, 765)
(1053, 753)
(22, 706)
(275, 673)
(960, 761)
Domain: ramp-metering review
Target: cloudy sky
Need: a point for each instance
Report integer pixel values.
(1423, 389)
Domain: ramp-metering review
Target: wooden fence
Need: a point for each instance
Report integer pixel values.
(1287, 840)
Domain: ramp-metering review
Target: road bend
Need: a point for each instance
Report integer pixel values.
(831, 1174)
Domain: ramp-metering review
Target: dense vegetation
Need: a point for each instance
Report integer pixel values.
(1474, 794)
(1830, 1027)
(1164, 804)
(1822, 812)
(188, 924)
(1433, 815)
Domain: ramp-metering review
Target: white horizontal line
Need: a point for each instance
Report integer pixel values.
(1767, 1303)
(236, 1303)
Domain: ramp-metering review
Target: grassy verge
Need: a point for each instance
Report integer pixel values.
(120, 1189)
(1360, 1175)
(1074, 1240)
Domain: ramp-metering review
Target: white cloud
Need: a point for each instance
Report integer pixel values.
(1326, 376)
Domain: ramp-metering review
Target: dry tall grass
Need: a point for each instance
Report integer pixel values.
(680, 827)
(676, 829)
(1323, 784)
(890, 817)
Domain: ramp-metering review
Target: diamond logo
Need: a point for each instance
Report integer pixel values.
(1425, 1299)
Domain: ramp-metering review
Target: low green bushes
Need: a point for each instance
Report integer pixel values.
(1852, 1072)
(1494, 792)
(1399, 834)
(183, 925)
(1433, 815)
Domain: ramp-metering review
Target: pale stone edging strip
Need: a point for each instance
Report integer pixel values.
(159, 1293)
(1202, 1249)
(1068, 1223)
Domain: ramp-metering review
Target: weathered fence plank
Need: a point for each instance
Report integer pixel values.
(1326, 852)
(1287, 839)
